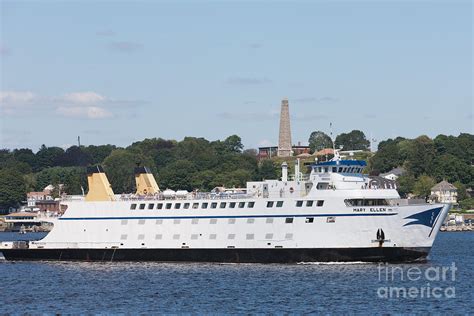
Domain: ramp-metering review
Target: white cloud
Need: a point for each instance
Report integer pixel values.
(87, 97)
(84, 104)
(16, 97)
(90, 112)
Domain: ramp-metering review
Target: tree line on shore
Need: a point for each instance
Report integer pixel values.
(196, 163)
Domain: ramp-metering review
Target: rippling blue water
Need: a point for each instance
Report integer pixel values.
(83, 287)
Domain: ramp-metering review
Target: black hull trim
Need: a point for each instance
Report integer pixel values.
(274, 255)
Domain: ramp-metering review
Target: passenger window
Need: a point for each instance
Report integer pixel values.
(320, 203)
(280, 204)
(334, 169)
(241, 204)
(168, 206)
(177, 206)
(133, 207)
(309, 220)
(159, 206)
(186, 205)
(251, 204)
(204, 205)
(142, 206)
(269, 204)
(213, 204)
(223, 204)
(289, 220)
(232, 204)
(309, 203)
(195, 205)
(299, 203)
(151, 206)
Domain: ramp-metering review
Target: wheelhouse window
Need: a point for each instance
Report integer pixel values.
(133, 206)
(366, 202)
(280, 204)
(334, 169)
(270, 204)
(142, 206)
(320, 203)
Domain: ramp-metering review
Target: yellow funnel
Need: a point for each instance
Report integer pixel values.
(145, 181)
(99, 186)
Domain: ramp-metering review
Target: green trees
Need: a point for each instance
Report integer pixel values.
(12, 188)
(73, 178)
(119, 167)
(267, 170)
(423, 185)
(48, 157)
(196, 163)
(355, 140)
(319, 140)
(388, 156)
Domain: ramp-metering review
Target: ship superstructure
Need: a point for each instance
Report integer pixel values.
(331, 215)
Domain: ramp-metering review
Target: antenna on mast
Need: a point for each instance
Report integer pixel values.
(79, 141)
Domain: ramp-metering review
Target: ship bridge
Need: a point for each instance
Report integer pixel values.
(339, 174)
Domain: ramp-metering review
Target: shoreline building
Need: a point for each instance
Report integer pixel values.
(285, 147)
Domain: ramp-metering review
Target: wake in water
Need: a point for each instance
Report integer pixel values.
(334, 263)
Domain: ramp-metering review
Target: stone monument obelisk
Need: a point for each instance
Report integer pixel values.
(284, 142)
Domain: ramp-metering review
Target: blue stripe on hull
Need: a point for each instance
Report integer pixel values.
(220, 216)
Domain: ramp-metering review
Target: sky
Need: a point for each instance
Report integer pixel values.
(115, 72)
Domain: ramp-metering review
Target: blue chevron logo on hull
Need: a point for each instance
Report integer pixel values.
(426, 218)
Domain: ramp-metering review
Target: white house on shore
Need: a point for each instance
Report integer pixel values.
(393, 174)
(444, 192)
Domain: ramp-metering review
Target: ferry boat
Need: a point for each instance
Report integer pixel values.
(334, 215)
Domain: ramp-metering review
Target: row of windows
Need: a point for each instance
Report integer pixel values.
(214, 205)
(338, 169)
(194, 221)
(319, 203)
(204, 205)
(366, 202)
(268, 236)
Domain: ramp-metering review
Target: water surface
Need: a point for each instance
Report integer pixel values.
(137, 287)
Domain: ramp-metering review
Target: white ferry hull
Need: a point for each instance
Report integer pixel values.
(257, 235)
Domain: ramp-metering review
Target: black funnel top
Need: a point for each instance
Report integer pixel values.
(95, 169)
(142, 170)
